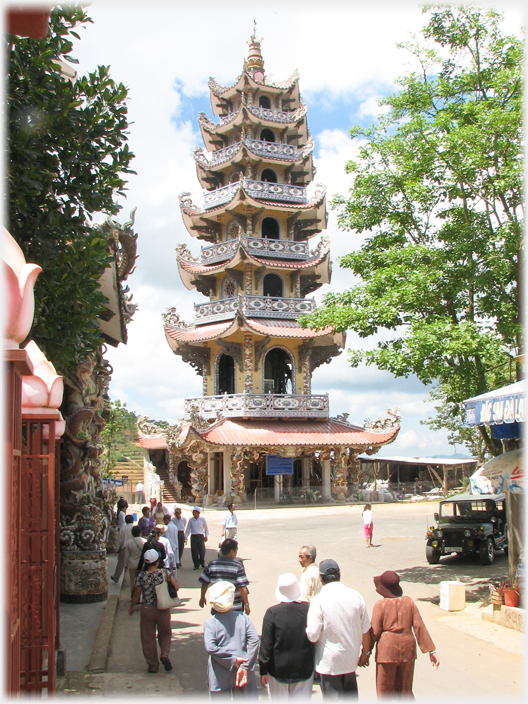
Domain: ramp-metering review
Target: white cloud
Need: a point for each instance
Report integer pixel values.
(371, 107)
(164, 53)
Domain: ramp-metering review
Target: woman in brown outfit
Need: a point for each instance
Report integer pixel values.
(396, 627)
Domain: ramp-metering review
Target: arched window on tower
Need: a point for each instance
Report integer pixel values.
(278, 372)
(264, 102)
(226, 375)
(269, 175)
(233, 230)
(270, 229)
(272, 286)
(229, 287)
(267, 136)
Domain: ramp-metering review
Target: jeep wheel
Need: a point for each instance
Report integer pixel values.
(487, 552)
(432, 555)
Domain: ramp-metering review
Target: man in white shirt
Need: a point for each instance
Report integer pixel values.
(125, 533)
(133, 551)
(310, 582)
(199, 532)
(229, 524)
(180, 522)
(170, 561)
(140, 492)
(339, 626)
(171, 533)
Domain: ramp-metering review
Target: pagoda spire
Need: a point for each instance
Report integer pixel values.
(255, 62)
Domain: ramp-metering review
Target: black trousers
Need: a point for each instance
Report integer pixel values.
(198, 550)
(181, 543)
(339, 686)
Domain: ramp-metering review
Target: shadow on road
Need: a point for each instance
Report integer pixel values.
(465, 569)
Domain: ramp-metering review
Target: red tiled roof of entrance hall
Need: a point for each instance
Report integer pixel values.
(264, 432)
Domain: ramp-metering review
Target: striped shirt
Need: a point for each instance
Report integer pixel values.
(230, 570)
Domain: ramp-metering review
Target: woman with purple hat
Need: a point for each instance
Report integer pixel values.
(396, 627)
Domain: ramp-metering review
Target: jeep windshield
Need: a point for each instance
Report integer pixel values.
(461, 511)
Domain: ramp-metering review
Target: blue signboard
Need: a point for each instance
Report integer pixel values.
(275, 465)
(495, 410)
(108, 481)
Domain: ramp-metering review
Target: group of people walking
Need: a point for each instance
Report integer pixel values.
(318, 629)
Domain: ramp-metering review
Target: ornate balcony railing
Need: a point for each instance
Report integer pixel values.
(212, 199)
(253, 307)
(259, 406)
(261, 190)
(277, 115)
(258, 147)
(260, 247)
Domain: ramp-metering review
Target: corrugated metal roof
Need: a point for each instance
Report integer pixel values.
(289, 432)
(448, 461)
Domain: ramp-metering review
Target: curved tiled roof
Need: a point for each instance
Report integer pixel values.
(194, 268)
(328, 433)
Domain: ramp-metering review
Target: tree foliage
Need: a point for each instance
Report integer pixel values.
(120, 420)
(437, 199)
(67, 154)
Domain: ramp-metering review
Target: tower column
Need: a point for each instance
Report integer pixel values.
(278, 487)
(327, 492)
(211, 472)
(306, 472)
(248, 364)
(227, 471)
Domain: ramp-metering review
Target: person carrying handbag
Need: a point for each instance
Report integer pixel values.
(152, 617)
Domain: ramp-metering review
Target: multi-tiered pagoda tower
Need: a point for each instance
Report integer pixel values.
(256, 274)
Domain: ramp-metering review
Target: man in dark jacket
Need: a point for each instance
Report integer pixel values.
(286, 657)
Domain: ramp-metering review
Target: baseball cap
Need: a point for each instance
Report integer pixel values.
(327, 567)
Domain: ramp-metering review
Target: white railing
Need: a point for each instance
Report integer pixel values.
(261, 190)
(259, 405)
(275, 191)
(259, 246)
(212, 199)
(252, 307)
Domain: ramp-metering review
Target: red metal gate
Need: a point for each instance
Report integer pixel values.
(38, 552)
(17, 364)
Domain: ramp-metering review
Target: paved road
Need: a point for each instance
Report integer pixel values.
(478, 659)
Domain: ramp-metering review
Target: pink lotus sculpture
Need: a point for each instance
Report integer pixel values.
(42, 390)
(19, 280)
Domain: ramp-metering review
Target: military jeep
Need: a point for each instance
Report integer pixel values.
(468, 524)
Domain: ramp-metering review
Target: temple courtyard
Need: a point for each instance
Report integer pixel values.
(478, 659)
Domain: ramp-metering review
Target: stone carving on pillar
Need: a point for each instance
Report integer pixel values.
(340, 467)
(307, 377)
(353, 467)
(248, 371)
(248, 287)
(86, 509)
(198, 464)
(238, 482)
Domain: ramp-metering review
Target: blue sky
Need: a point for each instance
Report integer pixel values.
(165, 53)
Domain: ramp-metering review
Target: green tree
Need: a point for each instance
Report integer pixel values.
(120, 419)
(437, 199)
(67, 154)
